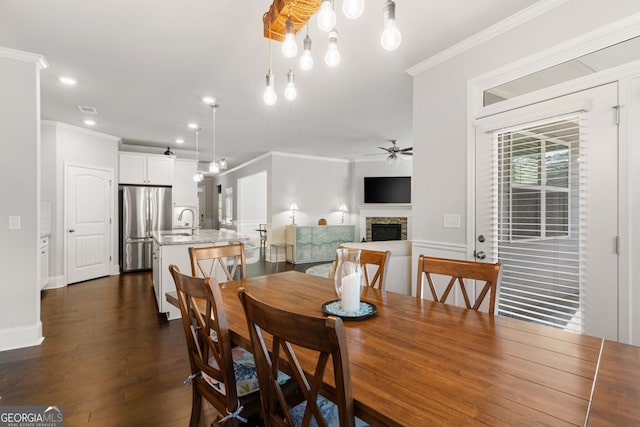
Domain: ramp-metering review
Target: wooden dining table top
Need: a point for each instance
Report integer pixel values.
(416, 362)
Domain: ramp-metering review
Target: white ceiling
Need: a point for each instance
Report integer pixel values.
(145, 65)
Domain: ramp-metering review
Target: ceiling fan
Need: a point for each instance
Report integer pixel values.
(395, 151)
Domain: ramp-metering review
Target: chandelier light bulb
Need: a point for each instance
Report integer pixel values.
(289, 47)
(213, 167)
(326, 16)
(306, 60)
(290, 91)
(352, 9)
(270, 97)
(391, 36)
(332, 57)
(198, 177)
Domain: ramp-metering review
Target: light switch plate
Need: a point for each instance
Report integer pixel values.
(14, 223)
(451, 221)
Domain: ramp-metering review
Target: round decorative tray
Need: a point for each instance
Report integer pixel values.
(334, 308)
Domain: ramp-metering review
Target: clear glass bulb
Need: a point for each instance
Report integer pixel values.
(352, 9)
(332, 57)
(391, 36)
(326, 16)
(213, 167)
(306, 60)
(198, 177)
(270, 97)
(290, 91)
(289, 47)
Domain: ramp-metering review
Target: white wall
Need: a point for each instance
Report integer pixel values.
(440, 107)
(252, 202)
(83, 147)
(20, 193)
(440, 114)
(318, 186)
(361, 169)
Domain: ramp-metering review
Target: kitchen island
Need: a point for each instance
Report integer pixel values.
(172, 247)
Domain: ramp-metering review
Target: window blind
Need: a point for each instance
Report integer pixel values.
(538, 212)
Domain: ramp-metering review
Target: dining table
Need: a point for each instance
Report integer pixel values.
(415, 362)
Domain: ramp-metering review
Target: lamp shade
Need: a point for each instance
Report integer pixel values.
(293, 206)
(343, 208)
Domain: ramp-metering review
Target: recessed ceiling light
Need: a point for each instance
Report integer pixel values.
(89, 123)
(179, 141)
(208, 100)
(193, 126)
(69, 81)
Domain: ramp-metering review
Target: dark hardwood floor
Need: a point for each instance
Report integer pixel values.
(108, 357)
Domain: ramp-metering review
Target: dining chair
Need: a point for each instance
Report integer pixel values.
(374, 264)
(229, 259)
(325, 337)
(224, 375)
(458, 270)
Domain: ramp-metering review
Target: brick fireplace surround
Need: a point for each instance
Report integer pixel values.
(385, 214)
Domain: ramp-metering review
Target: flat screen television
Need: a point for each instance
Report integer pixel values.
(387, 189)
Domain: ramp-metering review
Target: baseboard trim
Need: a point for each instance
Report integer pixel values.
(26, 336)
(55, 282)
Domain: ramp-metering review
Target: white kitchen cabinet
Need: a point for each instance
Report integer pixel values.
(185, 190)
(43, 242)
(155, 270)
(145, 169)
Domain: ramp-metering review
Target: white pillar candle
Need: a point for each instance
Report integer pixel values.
(351, 292)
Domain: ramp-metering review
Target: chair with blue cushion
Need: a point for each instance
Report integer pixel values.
(325, 338)
(222, 374)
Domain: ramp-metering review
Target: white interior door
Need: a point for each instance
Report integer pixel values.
(547, 209)
(88, 213)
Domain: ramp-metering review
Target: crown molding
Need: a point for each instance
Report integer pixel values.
(310, 157)
(507, 24)
(20, 55)
(66, 126)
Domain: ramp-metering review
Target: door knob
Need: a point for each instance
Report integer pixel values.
(71, 230)
(480, 255)
(481, 238)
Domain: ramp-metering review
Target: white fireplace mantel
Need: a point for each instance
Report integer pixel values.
(384, 210)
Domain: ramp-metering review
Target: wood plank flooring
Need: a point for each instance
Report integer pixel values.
(108, 357)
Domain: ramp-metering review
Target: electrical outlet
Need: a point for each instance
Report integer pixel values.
(14, 223)
(451, 221)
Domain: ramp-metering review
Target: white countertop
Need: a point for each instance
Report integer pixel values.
(184, 236)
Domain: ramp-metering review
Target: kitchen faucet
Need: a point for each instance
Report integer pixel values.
(193, 218)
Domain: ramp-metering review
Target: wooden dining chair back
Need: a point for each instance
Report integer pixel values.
(326, 339)
(374, 264)
(211, 354)
(458, 271)
(228, 259)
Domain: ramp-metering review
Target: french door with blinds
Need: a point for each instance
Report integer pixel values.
(547, 209)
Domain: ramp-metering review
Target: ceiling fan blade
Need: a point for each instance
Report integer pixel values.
(407, 154)
(376, 154)
(388, 150)
(406, 149)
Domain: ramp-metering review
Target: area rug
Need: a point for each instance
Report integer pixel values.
(321, 270)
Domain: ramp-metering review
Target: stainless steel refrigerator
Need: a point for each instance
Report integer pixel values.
(142, 210)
